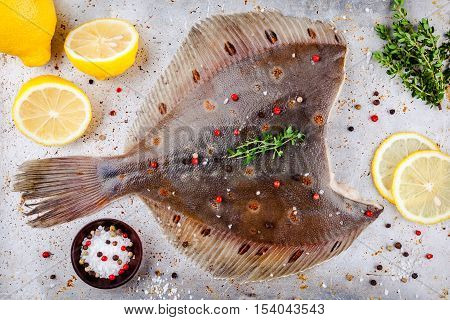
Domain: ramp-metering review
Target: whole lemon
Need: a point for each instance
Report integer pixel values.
(26, 29)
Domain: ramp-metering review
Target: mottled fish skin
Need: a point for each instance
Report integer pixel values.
(257, 231)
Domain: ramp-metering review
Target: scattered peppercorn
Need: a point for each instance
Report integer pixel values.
(53, 276)
(315, 58)
(369, 213)
(429, 256)
(125, 235)
(91, 81)
(121, 271)
(112, 113)
(405, 254)
(219, 199)
(234, 97)
(216, 132)
(85, 247)
(88, 243)
(174, 275)
(118, 90)
(154, 164)
(46, 254)
(107, 242)
(414, 275)
(374, 118)
(261, 114)
(398, 245)
(194, 161)
(276, 184)
(112, 277)
(376, 93)
(350, 128)
(316, 196)
(99, 254)
(392, 111)
(379, 267)
(276, 110)
(358, 107)
(125, 266)
(123, 248)
(387, 225)
(115, 257)
(373, 282)
(236, 132)
(418, 232)
(376, 102)
(104, 258)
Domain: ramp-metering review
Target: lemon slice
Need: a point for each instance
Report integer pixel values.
(421, 187)
(51, 111)
(102, 48)
(390, 153)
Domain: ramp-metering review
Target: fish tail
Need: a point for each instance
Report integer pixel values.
(58, 190)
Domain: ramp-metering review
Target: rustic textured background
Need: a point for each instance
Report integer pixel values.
(162, 25)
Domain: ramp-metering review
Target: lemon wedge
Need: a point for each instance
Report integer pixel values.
(390, 153)
(421, 187)
(51, 111)
(102, 48)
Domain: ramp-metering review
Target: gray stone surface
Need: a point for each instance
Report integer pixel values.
(162, 25)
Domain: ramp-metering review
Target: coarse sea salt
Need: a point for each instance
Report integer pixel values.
(104, 269)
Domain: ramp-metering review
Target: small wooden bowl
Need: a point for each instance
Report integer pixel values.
(120, 279)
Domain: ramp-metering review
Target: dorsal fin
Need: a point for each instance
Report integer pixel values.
(216, 43)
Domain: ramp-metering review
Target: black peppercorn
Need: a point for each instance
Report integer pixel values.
(376, 102)
(405, 254)
(115, 257)
(99, 254)
(376, 93)
(228, 168)
(373, 282)
(107, 242)
(414, 275)
(398, 245)
(91, 81)
(174, 275)
(392, 111)
(388, 225)
(85, 247)
(53, 276)
(261, 114)
(350, 128)
(379, 267)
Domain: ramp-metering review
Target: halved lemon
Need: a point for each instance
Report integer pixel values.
(102, 48)
(390, 153)
(421, 187)
(51, 111)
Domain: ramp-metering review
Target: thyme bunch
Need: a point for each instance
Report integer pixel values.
(413, 55)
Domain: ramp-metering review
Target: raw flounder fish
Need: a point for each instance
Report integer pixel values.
(227, 216)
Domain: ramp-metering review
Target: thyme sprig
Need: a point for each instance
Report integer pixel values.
(266, 143)
(413, 54)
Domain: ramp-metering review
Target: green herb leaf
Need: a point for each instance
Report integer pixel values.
(266, 143)
(414, 56)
